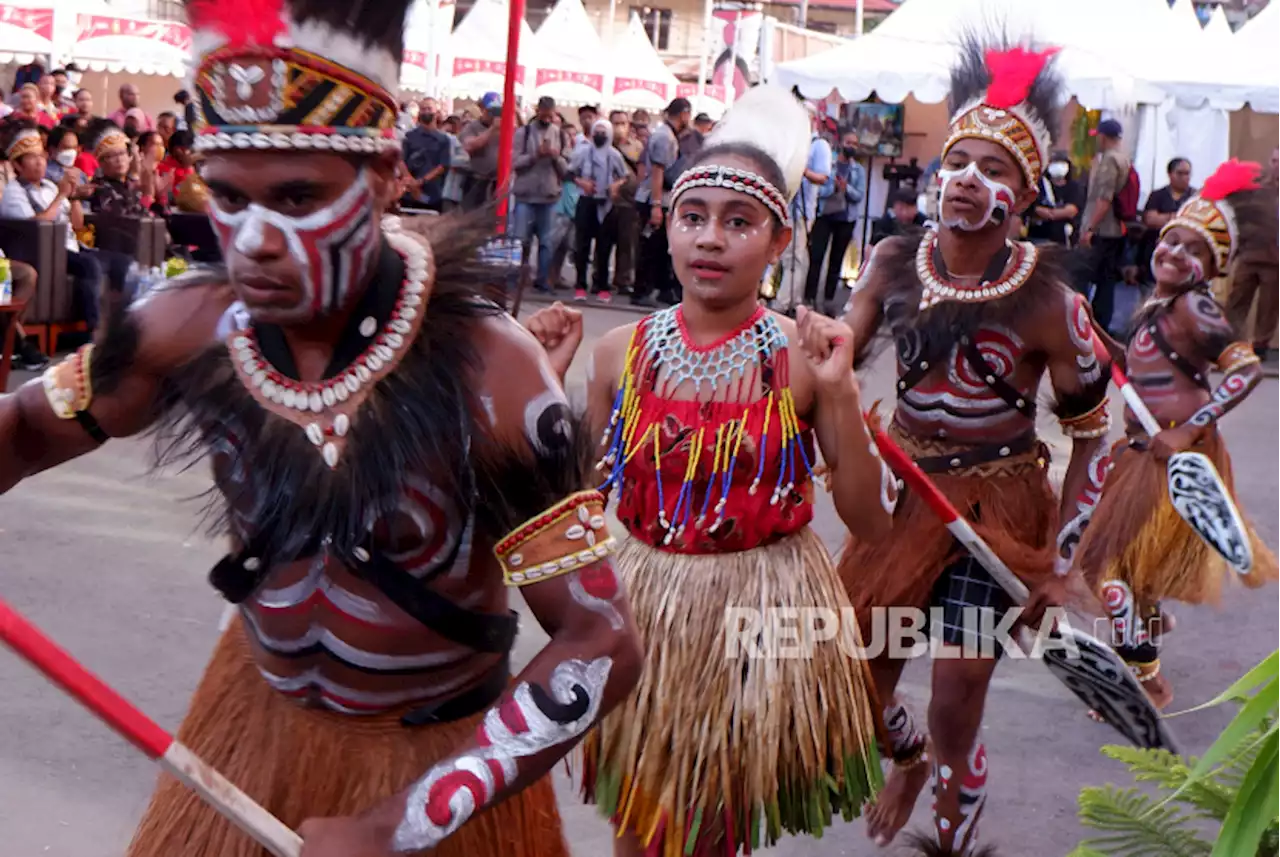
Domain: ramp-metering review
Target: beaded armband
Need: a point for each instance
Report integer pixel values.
(1236, 356)
(570, 535)
(1146, 672)
(68, 385)
(1094, 422)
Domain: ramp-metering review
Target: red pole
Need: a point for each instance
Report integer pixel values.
(508, 130)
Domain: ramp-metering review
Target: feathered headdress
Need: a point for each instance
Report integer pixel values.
(772, 120)
(1215, 214)
(1010, 96)
(305, 74)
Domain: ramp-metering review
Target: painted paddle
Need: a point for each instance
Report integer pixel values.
(1196, 490)
(1097, 676)
(141, 731)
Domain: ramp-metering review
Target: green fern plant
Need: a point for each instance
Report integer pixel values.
(1234, 787)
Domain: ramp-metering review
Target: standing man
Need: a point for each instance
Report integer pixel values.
(379, 433)
(624, 207)
(652, 199)
(600, 172)
(129, 109)
(1162, 205)
(1256, 275)
(188, 109)
(978, 322)
(794, 262)
(1057, 210)
(426, 157)
(838, 201)
(539, 165)
(1101, 231)
(481, 138)
(587, 116)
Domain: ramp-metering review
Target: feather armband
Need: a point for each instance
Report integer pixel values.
(570, 535)
(68, 385)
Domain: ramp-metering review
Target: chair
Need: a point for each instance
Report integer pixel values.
(194, 230)
(42, 245)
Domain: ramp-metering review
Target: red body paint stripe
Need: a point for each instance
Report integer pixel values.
(60, 668)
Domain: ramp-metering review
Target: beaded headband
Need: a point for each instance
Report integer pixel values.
(1211, 216)
(743, 181)
(271, 83)
(111, 139)
(24, 142)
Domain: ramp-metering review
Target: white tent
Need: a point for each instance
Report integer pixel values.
(912, 51)
(426, 38)
(1257, 49)
(26, 31)
(574, 60)
(478, 49)
(642, 79)
(103, 40)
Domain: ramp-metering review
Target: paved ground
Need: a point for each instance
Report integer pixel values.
(111, 563)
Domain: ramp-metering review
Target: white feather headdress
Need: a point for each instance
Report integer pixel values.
(773, 120)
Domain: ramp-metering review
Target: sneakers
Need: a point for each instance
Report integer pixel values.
(579, 294)
(604, 297)
(28, 358)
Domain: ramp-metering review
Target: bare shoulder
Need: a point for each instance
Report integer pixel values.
(181, 319)
(609, 354)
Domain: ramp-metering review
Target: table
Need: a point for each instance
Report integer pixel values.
(9, 314)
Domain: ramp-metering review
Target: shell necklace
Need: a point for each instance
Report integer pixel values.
(938, 289)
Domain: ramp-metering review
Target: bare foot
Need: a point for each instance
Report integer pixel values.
(892, 810)
(1159, 691)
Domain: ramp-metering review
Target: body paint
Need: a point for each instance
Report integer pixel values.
(999, 199)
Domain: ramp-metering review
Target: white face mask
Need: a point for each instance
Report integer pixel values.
(1058, 170)
(73, 79)
(66, 157)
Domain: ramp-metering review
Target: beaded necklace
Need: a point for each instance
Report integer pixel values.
(937, 288)
(660, 358)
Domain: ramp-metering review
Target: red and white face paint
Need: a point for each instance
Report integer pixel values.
(999, 199)
(333, 247)
(1172, 257)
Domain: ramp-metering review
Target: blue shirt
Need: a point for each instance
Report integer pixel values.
(855, 188)
(805, 205)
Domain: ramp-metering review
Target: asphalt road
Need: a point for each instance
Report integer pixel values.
(111, 562)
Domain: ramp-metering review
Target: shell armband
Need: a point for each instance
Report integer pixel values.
(1095, 422)
(570, 535)
(1236, 356)
(68, 386)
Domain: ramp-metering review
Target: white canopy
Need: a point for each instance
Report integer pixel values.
(642, 79)
(574, 60)
(479, 51)
(26, 31)
(912, 51)
(106, 41)
(1256, 47)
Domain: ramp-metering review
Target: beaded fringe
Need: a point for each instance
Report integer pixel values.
(712, 751)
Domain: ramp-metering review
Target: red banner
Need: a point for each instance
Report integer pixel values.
(418, 58)
(38, 21)
(171, 33)
(689, 90)
(622, 84)
(462, 65)
(551, 75)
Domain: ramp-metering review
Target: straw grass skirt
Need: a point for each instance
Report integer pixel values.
(712, 746)
(1136, 536)
(302, 763)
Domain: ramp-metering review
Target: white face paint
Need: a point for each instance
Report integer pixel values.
(1177, 255)
(999, 198)
(334, 247)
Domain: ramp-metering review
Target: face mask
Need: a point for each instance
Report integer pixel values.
(426, 118)
(333, 247)
(600, 139)
(1059, 170)
(999, 199)
(849, 151)
(544, 123)
(67, 157)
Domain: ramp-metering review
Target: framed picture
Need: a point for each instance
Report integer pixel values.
(878, 126)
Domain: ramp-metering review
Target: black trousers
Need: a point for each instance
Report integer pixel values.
(837, 233)
(86, 280)
(588, 229)
(1104, 272)
(653, 267)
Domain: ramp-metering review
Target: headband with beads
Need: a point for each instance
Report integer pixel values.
(743, 181)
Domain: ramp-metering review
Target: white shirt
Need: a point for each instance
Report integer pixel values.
(18, 204)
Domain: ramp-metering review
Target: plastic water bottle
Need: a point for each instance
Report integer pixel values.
(133, 283)
(6, 280)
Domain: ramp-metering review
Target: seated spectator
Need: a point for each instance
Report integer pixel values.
(1057, 210)
(64, 149)
(114, 195)
(33, 197)
(902, 217)
(26, 355)
(166, 124)
(177, 164)
(29, 108)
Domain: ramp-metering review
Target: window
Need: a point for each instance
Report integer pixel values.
(657, 23)
(166, 10)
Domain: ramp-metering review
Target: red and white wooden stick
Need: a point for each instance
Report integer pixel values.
(143, 732)
(956, 525)
(1134, 401)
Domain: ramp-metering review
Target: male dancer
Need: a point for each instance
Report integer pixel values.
(378, 433)
(978, 320)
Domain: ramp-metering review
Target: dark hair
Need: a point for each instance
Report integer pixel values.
(377, 23)
(765, 165)
(182, 96)
(588, 108)
(678, 106)
(546, 102)
(78, 91)
(1173, 165)
(182, 139)
(701, 117)
(168, 113)
(60, 132)
(146, 137)
(904, 196)
(57, 71)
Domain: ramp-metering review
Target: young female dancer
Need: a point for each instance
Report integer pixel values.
(708, 412)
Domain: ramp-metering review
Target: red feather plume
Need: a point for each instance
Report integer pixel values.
(241, 21)
(1012, 74)
(1232, 177)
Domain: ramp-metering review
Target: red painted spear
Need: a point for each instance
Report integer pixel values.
(143, 732)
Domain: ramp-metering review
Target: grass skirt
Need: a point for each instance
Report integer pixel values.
(711, 747)
(1010, 504)
(1136, 535)
(302, 763)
